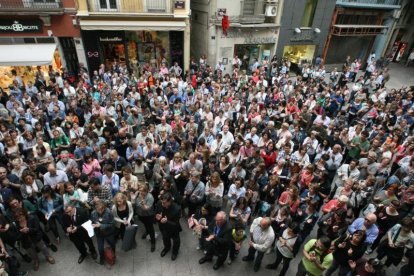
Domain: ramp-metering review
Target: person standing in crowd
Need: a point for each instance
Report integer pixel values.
(219, 240)
(72, 222)
(317, 257)
(167, 215)
(338, 144)
(261, 239)
(103, 224)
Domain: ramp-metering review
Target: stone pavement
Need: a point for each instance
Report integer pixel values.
(144, 263)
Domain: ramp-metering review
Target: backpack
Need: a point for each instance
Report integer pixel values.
(109, 255)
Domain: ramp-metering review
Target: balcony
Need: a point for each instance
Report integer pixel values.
(252, 12)
(31, 6)
(131, 6)
(370, 4)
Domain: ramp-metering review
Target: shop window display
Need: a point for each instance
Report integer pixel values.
(28, 72)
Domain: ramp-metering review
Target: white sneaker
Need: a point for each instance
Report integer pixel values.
(229, 261)
(198, 248)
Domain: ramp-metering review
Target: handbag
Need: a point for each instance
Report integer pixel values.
(109, 256)
(129, 237)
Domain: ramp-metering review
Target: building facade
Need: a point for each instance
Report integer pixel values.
(252, 33)
(304, 29)
(400, 46)
(358, 28)
(37, 33)
(134, 32)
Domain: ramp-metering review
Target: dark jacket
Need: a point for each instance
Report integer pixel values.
(82, 216)
(35, 232)
(106, 219)
(223, 238)
(173, 218)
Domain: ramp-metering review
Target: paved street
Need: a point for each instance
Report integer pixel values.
(142, 262)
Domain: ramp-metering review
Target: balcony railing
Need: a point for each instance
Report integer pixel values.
(252, 12)
(374, 4)
(130, 6)
(30, 5)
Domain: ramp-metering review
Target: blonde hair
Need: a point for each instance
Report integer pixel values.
(120, 196)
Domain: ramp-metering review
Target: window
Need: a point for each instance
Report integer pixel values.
(309, 13)
(107, 4)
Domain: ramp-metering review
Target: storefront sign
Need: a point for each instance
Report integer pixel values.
(21, 26)
(304, 35)
(260, 40)
(110, 39)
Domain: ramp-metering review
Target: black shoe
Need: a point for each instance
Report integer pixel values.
(101, 261)
(271, 266)
(94, 255)
(173, 256)
(152, 247)
(144, 236)
(203, 260)
(52, 247)
(164, 252)
(247, 259)
(256, 268)
(216, 266)
(81, 258)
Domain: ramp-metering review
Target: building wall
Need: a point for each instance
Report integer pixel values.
(200, 37)
(291, 19)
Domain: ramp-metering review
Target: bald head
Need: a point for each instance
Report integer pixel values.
(265, 223)
(370, 219)
(221, 218)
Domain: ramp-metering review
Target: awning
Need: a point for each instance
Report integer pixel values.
(92, 25)
(26, 54)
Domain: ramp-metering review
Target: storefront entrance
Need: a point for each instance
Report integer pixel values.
(299, 54)
(248, 53)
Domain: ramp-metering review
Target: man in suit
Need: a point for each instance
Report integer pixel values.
(72, 224)
(168, 217)
(117, 162)
(219, 240)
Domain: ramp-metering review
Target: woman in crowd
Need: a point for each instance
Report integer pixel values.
(51, 210)
(103, 224)
(123, 213)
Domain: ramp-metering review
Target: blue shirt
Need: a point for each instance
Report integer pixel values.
(371, 232)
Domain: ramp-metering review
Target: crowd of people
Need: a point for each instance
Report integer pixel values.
(316, 163)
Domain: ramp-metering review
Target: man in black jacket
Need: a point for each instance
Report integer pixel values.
(219, 240)
(168, 217)
(72, 224)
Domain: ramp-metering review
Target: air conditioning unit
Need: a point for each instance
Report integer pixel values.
(271, 10)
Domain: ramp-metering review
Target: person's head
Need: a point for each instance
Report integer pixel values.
(370, 219)
(70, 210)
(265, 223)
(166, 200)
(28, 177)
(407, 224)
(120, 199)
(293, 228)
(195, 177)
(47, 192)
(241, 203)
(323, 243)
(126, 171)
(69, 187)
(373, 265)
(358, 237)
(51, 168)
(100, 206)
(95, 184)
(221, 218)
(114, 155)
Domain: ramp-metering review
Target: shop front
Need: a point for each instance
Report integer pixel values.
(299, 54)
(133, 48)
(28, 45)
(246, 43)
